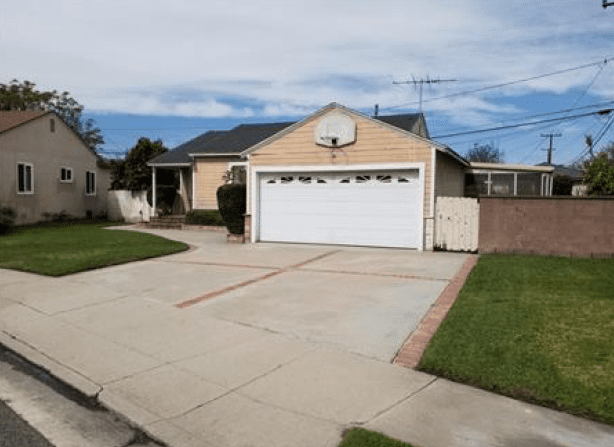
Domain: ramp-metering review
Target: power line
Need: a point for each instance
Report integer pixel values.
(600, 112)
(505, 84)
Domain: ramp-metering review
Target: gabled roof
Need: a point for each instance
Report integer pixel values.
(245, 138)
(10, 119)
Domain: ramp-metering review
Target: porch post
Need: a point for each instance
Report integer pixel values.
(153, 191)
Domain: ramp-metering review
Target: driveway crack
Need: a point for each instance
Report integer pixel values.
(400, 401)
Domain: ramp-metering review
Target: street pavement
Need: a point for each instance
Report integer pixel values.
(265, 345)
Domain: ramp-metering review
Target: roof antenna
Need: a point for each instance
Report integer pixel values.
(376, 110)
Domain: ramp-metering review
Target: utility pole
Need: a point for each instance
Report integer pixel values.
(550, 149)
(423, 81)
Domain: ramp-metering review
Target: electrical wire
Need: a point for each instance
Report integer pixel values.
(505, 84)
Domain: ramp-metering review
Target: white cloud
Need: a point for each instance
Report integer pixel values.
(108, 52)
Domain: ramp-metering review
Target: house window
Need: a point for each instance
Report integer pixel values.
(90, 183)
(52, 125)
(25, 178)
(66, 175)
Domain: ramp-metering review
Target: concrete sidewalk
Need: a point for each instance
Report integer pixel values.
(196, 377)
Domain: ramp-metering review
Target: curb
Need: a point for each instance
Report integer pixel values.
(412, 351)
(54, 368)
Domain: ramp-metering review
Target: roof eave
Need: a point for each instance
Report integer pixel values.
(235, 154)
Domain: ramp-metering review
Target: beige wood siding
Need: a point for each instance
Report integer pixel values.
(374, 144)
(208, 177)
(48, 152)
(449, 178)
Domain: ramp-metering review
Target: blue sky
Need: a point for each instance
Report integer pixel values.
(175, 69)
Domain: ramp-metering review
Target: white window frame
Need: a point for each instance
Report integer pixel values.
(67, 169)
(30, 190)
(93, 183)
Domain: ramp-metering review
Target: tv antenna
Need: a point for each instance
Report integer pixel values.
(606, 4)
(421, 82)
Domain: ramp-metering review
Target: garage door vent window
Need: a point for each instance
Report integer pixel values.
(384, 179)
(321, 180)
(304, 179)
(403, 180)
(345, 180)
(287, 179)
(272, 181)
(362, 178)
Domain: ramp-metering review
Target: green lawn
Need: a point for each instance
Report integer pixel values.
(63, 248)
(359, 437)
(540, 329)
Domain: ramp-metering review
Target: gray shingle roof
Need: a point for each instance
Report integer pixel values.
(244, 136)
(181, 154)
(411, 122)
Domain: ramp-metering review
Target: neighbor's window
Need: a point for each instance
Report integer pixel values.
(90, 183)
(25, 181)
(66, 175)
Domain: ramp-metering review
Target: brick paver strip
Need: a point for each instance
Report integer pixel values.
(413, 349)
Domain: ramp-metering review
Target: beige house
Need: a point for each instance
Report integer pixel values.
(336, 177)
(46, 168)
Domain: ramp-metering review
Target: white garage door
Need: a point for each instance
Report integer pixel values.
(354, 208)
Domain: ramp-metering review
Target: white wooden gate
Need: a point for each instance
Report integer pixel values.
(457, 223)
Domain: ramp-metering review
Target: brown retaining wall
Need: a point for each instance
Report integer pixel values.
(559, 225)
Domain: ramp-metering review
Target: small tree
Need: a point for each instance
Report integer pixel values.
(485, 153)
(231, 201)
(599, 172)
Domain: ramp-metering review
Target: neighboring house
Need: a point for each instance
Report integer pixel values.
(576, 176)
(336, 177)
(46, 168)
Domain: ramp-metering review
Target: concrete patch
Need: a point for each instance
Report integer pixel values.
(377, 261)
(336, 386)
(367, 315)
(240, 422)
(453, 415)
(165, 281)
(166, 391)
(158, 330)
(89, 355)
(238, 364)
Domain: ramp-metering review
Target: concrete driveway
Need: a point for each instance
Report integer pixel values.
(362, 300)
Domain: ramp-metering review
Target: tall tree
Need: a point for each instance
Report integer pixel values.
(599, 172)
(24, 96)
(485, 153)
(133, 173)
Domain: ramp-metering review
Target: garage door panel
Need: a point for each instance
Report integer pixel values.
(369, 212)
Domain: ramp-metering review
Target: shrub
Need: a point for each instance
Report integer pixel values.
(231, 201)
(204, 217)
(7, 218)
(62, 216)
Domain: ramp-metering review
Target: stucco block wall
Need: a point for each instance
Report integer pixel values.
(374, 144)
(570, 226)
(449, 177)
(208, 177)
(48, 152)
